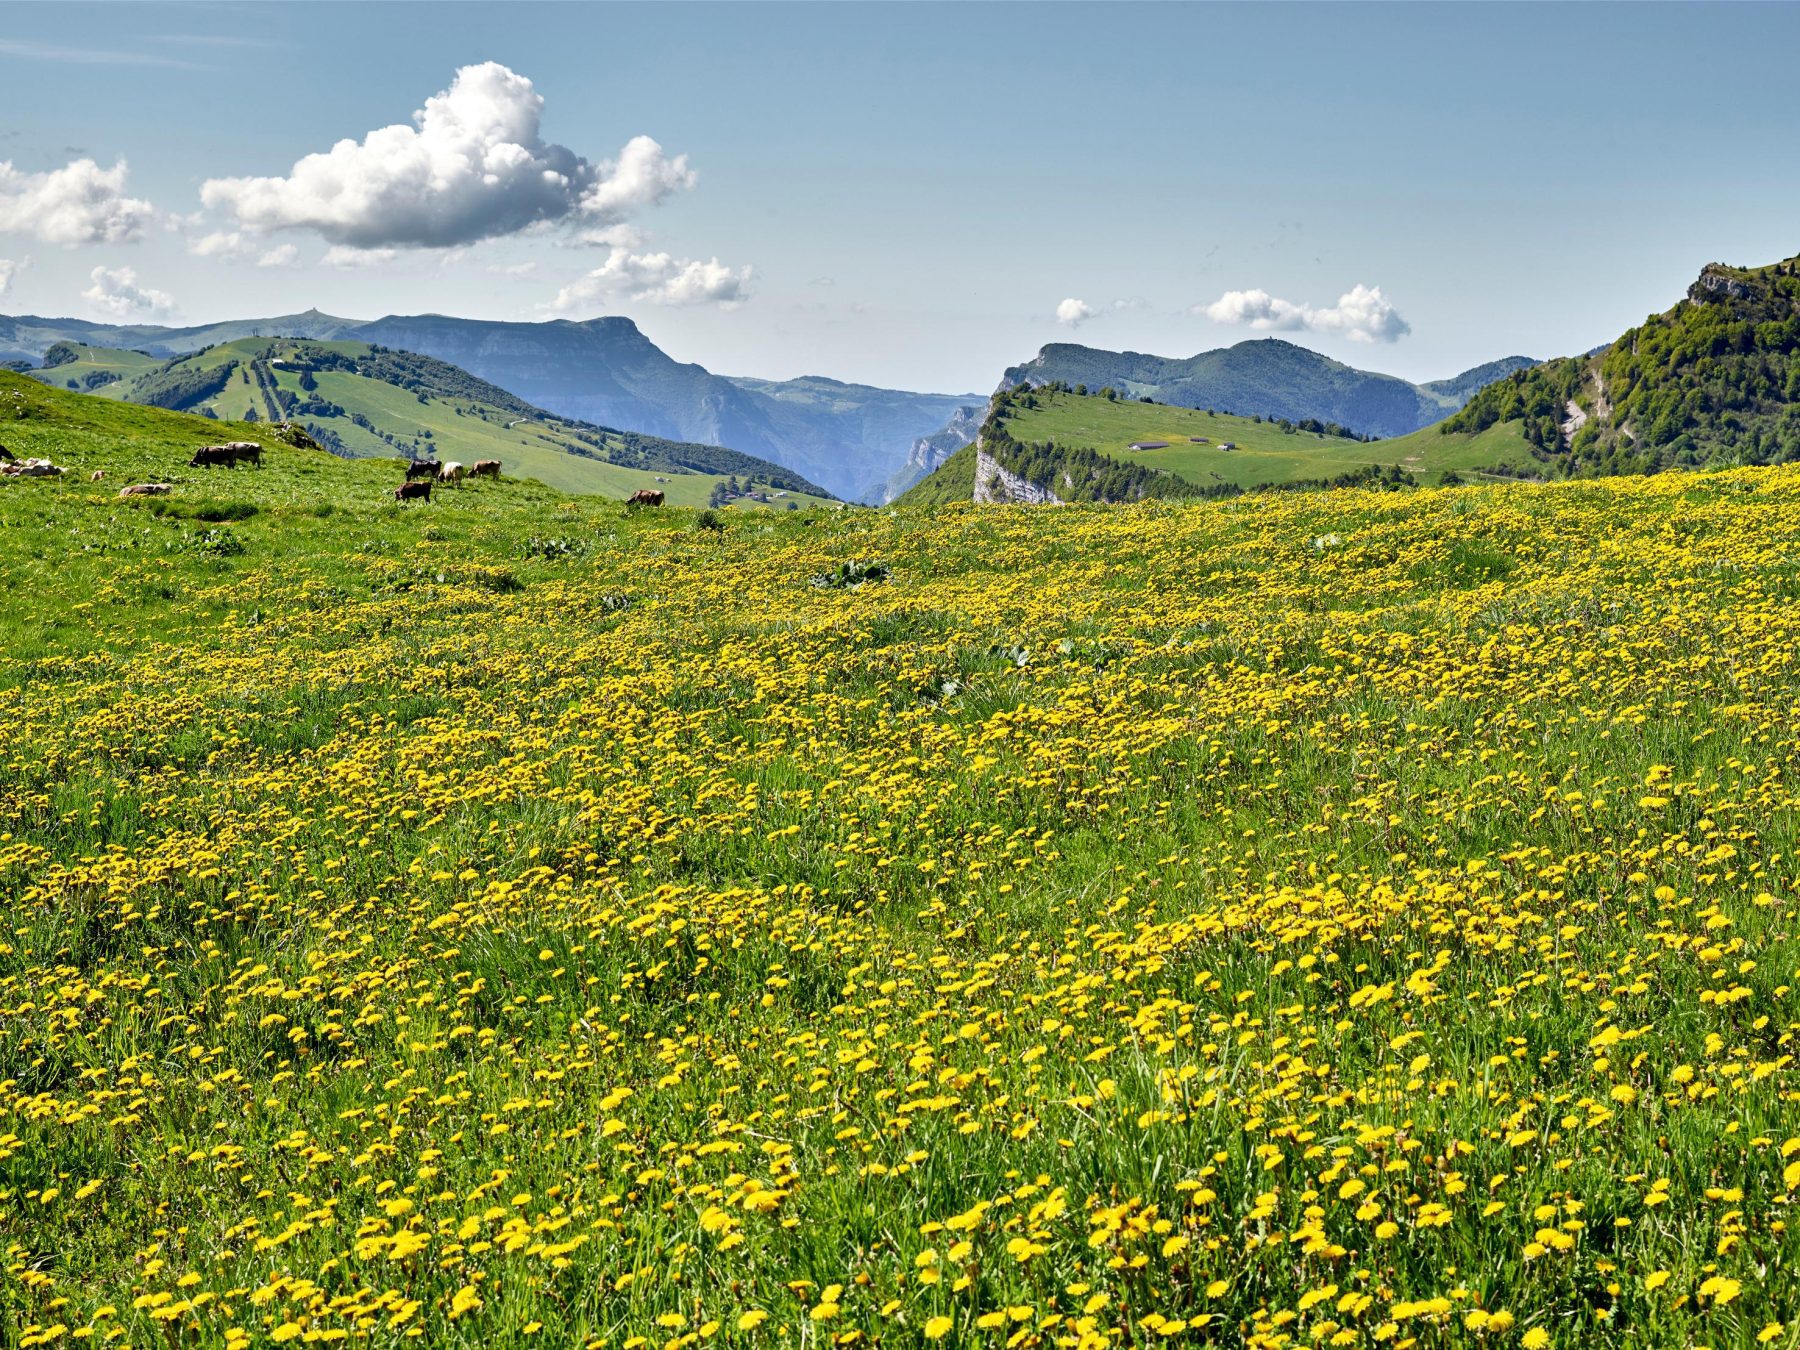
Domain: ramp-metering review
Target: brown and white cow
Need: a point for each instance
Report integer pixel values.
(644, 497)
(145, 490)
(451, 471)
(486, 468)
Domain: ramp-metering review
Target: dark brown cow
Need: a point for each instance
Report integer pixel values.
(486, 468)
(413, 492)
(422, 468)
(227, 456)
(644, 497)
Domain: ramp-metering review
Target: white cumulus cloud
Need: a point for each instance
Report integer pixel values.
(641, 177)
(343, 255)
(80, 203)
(658, 279)
(218, 244)
(1362, 314)
(1258, 309)
(282, 255)
(116, 292)
(472, 165)
(1072, 313)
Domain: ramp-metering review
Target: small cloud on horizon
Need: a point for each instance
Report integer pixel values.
(116, 292)
(657, 279)
(1072, 313)
(345, 256)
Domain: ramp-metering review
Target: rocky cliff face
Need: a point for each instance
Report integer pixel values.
(928, 452)
(996, 485)
(1717, 284)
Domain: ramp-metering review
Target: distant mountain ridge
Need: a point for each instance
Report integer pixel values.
(849, 438)
(1264, 377)
(359, 399)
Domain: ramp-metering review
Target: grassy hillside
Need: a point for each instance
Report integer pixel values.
(1265, 454)
(1713, 381)
(100, 370)
(1308, 918)
(951, 481)
(1264, 377)
(368, 401)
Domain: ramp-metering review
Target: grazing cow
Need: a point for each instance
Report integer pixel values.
(413, 492)
(486, 468)
(644, 497)
(97, 476)
(7, 456)
(422, 468)
(227, 455)
(145, 490)
(451, 471)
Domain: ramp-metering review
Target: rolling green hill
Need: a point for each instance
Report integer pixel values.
(362, 400)
(75, 365)
(1263, 377)
(1050, 424)
(850, 438)
(1713, 381)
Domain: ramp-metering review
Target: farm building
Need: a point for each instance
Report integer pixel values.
(1149, 445)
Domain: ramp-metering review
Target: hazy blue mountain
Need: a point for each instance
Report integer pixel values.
(884, 419)
(929, 453)
(1464, 387)
(849, 438)
(1266, 377)
(27, 336)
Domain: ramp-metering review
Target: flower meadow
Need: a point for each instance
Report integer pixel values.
(1328, 919)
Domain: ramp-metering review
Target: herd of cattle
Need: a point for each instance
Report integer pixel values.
(420, 473)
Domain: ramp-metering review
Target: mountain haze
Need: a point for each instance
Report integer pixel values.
(849, 438)
(361, 400)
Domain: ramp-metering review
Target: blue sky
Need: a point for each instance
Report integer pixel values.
(906, 194)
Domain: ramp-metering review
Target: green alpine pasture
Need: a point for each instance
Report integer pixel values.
(1266, 453)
